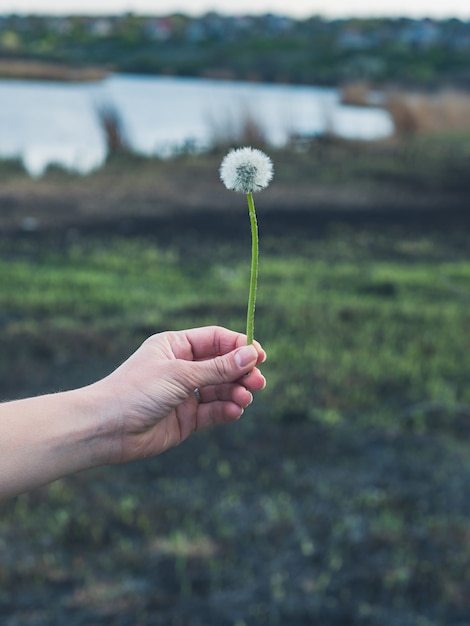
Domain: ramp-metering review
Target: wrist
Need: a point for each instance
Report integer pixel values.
(49, 437)
(100, 409)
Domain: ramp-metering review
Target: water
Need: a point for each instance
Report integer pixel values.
(46, 123)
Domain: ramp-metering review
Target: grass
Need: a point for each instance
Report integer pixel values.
(323, 317)
(341, 497)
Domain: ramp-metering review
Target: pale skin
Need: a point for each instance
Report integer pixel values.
(144, 407)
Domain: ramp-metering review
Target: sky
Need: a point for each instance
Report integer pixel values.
(294, 8)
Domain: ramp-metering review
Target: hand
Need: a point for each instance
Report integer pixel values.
(155, 406)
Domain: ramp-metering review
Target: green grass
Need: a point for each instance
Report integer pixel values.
(364, 328)
(341, 497)
(344, 336)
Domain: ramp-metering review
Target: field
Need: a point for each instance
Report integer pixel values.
(342, 497)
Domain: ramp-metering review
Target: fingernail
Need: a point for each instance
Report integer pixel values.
(245, 356)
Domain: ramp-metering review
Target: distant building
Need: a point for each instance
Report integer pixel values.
(159, 29)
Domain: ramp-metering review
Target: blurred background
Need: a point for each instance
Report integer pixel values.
(342, 497)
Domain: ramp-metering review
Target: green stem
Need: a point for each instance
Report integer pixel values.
(250, 316)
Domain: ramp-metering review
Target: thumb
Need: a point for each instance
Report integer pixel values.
(226, 368)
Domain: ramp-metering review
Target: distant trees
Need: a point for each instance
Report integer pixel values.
(267, 47)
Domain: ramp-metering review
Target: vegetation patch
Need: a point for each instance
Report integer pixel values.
(342, 495)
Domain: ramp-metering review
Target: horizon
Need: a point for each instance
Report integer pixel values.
(192, 15)
(301, 9)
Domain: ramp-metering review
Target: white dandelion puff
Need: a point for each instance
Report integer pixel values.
(246, 170)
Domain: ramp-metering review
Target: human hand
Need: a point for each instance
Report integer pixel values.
(150, 400)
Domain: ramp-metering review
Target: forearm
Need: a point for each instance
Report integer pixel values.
(48, 437)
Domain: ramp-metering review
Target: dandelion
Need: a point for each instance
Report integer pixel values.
(247, 170)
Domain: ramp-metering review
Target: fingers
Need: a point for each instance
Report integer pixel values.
(211, 341)
(218, 412)
(224, 369)
(220, 404)
(228, 393)
(254, 380)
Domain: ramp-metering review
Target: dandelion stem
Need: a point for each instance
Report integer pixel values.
(247, 170)
(250, 316)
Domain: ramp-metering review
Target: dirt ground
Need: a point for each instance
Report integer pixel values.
(130, 187)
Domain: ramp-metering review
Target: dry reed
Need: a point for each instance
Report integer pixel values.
(356, 94)
(112, 126)
(414, 113)
(39, 70)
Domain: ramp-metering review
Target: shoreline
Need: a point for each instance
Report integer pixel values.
(17, 69)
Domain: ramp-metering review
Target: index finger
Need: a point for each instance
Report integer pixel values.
(210, 341)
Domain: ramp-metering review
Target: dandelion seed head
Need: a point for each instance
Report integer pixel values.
(246, 170)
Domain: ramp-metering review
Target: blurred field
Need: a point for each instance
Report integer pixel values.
(424, 173)
(342, 496)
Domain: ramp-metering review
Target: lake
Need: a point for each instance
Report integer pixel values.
(46, 123)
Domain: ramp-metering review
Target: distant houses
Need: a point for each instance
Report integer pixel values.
(350, 33)
(272, 47)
